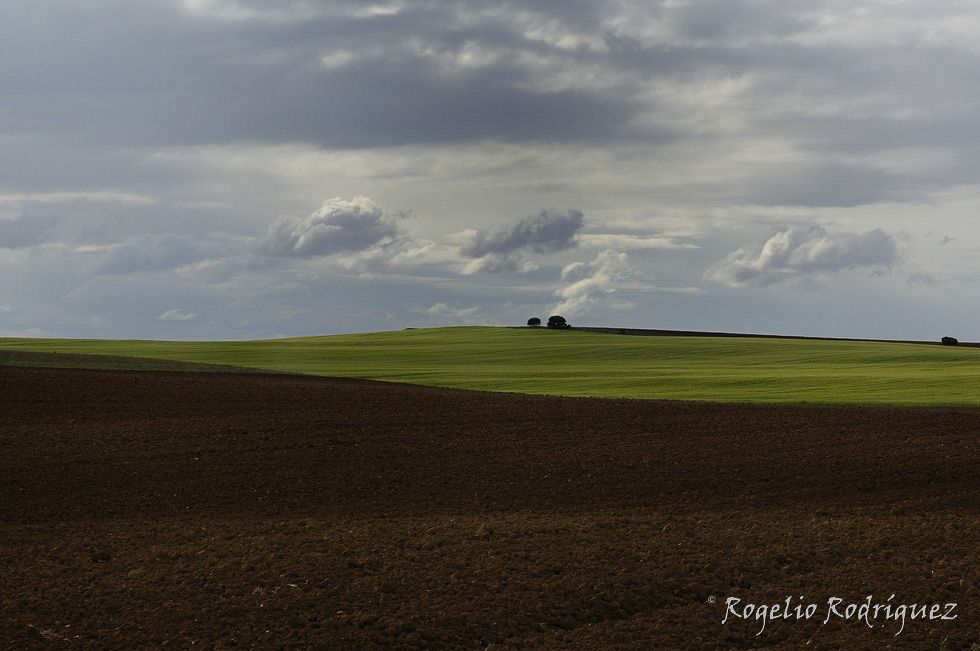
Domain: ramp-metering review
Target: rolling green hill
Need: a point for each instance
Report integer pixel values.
(577, 363)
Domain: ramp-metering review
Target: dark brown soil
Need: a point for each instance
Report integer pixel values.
(157, 509)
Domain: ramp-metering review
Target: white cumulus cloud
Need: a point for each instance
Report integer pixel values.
(176, 315)
(339, 226)
(594, 279)
(457, 315)
(802, 250)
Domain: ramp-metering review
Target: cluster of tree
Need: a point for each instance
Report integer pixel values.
(554, 322)
(950, 341)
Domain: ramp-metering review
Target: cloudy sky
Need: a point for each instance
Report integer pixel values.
(241, 169)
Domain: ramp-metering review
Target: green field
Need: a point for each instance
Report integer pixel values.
(578, 363)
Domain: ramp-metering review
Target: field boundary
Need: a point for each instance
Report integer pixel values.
(95, 361)
(653, 332)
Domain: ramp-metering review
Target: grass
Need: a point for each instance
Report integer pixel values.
(578, 363)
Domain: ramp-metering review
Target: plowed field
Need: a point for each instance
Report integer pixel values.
(221, 510)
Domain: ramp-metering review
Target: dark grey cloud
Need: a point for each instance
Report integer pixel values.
(403, 104)
(339, 77)
(351, 75)
(435, 73)
(803, 250)
(503, 250)
(338, 226)
(26, 230)
(546, 232)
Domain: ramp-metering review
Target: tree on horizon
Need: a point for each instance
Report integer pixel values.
(557, 322)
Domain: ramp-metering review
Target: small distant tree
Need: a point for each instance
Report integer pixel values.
(557, 322)
(950, 341)
(534, 322)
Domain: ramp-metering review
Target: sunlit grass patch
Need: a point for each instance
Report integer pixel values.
(578, 363)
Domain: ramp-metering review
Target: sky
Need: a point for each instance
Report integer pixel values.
(250, 169)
